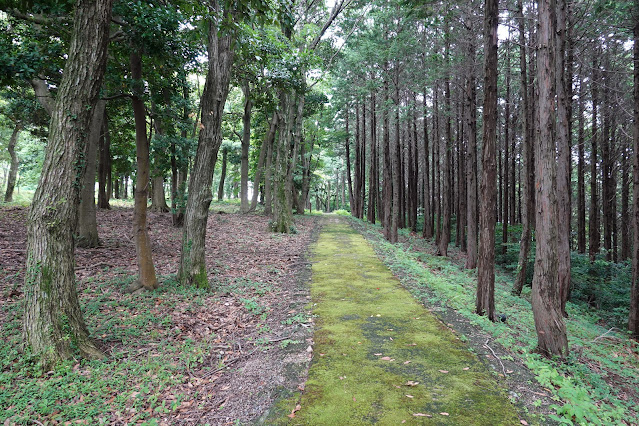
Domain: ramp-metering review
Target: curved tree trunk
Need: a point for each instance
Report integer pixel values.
(551, 331)
(53, 325)
(87, 223)
(13, 169)
(488, 187)
(192, 268)
(146, 269)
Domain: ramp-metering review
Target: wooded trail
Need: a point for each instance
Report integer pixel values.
(379, 355)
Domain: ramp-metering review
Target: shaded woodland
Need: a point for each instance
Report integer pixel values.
(505, 132)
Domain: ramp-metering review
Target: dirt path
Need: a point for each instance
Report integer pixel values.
(380, 356)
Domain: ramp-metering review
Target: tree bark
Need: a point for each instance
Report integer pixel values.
(53, 325)
(267, 143)
(104, 165)
(444, 239)
(387, 190)
(373, 178)
(563, 157)
(633, 319)
(158, 196)
(506, 183)
(488, 188)
(87, 231)
(146, 269)
(546, 303)
(528, 211)
(471, 174)
(192, 270)
(246, 142)
(581, 171)
(13, 168)
(349, 183)
(220, 187)
(593, 216)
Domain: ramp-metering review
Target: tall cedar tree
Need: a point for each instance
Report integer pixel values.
(633, 323)
(53, 323)
(546, 304)
(488, 189)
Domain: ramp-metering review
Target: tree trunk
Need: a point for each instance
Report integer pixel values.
(146, 269)
(220, 187)
(427, 231)
(373, 178)
(471, 173)
(13, 169)
(396, 172)
(53, 325)
(158, 196)
(192, 270)
(444, 239)
(387, 190)
(581, 172)
(633, 319)
(626, 236)
(259, 170)
(593, 216)
(347, 144)
(563, 158)
(488, 188)
(546, 303)
(362, 166)
(506, 205)
(528, 211)
(246, 142)
(87, 230)
(104, 165)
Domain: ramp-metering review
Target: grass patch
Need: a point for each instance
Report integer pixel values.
(136, 383)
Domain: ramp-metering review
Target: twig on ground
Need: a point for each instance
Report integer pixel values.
(495, 355)
(604, 335)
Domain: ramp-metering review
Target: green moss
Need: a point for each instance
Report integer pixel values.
(201, 280)
(363, 316)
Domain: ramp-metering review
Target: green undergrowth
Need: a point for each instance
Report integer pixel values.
(379, 355)
(146, 358)
(594, 385)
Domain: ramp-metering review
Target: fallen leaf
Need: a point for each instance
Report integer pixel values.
(411, 383)
(466, 368)
(444, 414)
(411, 344)
(421, 415)
(403, 421)
(354, 399)
(385, 358)
(292, 415)
(406, 362)
(391, 338)
(509, 371)
(523, 422)
(377, 354)
(341, 377)
(443, 371)
(410, 396)
(322, 354)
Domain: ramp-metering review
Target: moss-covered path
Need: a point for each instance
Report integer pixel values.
(381, 357)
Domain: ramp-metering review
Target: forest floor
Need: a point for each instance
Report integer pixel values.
(176, 355)
(239, 354)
